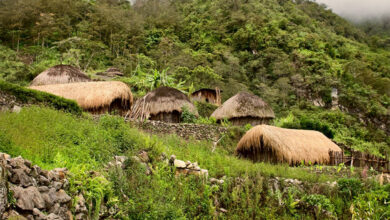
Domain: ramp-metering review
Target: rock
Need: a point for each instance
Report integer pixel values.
(20, 177)
(49, 197)
(16, 109)
(62, 197)
(216, 181)
(3, 190)
(57, 185)
(29, 198)
(223, 210)
(80, 206)
(293, 181)
(4, 156)
(204, 173)
(121, 159)
(80, 216)
(43, 181)
(188, 163)
(38, 215)
(35, 171)
(144, 157)
(53, 217)
(43, 189)
(179, 164)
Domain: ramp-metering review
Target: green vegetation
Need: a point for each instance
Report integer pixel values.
(290, 54)
(57, 139)
(293, 54)
(30, 96)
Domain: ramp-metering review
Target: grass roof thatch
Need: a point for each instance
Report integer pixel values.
(287, 145)
(60, 74)
(243, 105)
(92, 95)
(162, 99)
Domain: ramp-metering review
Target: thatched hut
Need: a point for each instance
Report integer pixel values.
(212, 96)
(95, 97)
(162, 104)
(60, 74)
(279, 145)
(244, 108)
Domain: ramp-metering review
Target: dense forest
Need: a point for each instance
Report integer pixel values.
(292, 54)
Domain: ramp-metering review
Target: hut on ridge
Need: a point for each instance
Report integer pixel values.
(279, 145)
(162, 104)
(94, 97)
(60, 74)
(244, 108)
(212, 96)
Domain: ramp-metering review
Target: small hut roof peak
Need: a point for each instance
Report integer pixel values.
(162, 99)
(244, 104)
(60, 74)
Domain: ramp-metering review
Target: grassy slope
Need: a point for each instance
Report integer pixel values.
(56, 139)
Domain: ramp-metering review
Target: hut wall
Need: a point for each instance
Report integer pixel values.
(170, 117)
(241, 121)
(205, 96)
(118, 106)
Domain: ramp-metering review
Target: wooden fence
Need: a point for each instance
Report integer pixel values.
(359, 159)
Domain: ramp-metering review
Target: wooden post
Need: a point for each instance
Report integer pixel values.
(218, 94)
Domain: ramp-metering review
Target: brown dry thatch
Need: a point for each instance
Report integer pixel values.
(161, 100)
(96, 97)
(243, 105)
(60, 74)
(273, 144)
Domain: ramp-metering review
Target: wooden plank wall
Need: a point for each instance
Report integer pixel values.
(359, 159)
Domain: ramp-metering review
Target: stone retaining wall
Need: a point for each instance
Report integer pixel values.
(37, 193)
(197, 131)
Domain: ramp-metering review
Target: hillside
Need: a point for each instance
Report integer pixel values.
(316, 70)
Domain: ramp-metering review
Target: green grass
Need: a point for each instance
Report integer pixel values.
(53, 138)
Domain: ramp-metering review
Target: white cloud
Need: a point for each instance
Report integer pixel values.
(359, 9)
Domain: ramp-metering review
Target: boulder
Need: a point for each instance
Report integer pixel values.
(179, 164)
(19, 176)
(144, 157)
(28, 198)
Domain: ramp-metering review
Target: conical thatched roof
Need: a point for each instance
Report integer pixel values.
(60, 74)
(162, 99)
(92, 95)
(287, 145)
(243, 105)
(111, 72)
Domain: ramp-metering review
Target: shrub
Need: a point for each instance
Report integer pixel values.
(319, 201)
(187, 116)
(205, 109)
(349, 188)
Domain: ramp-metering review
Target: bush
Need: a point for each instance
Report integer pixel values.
(349, 188)
(319, 201)
(187, 116)
(205, 109)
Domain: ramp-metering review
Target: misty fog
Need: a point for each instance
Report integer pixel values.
(359, 10)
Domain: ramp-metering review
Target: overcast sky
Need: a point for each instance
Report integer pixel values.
(358, 9)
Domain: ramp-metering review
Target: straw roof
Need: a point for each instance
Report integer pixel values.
(243, 105)
(92, 95)
(111, 72)
(60, 74)
(162, 99)
(287, 145)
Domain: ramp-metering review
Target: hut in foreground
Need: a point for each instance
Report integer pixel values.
(244, 108)
(95, 97)
(162, 104)
(60, 74)
(212, 96)
(279, 145)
